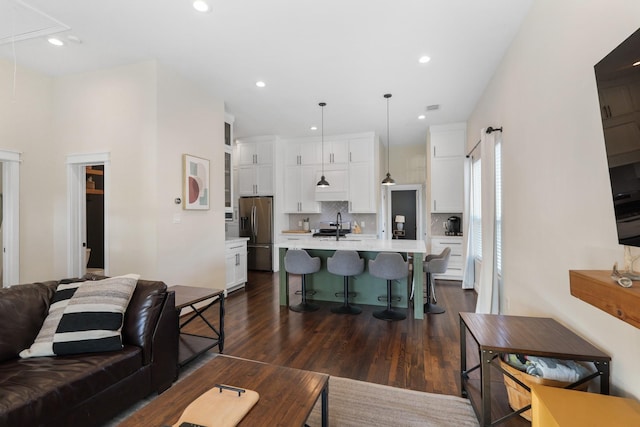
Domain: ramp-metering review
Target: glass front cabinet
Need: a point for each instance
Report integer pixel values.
(228, 167)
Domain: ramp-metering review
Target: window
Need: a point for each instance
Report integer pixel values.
(476, 208)
(499, 206)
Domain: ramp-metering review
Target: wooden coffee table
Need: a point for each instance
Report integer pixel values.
(287, 395)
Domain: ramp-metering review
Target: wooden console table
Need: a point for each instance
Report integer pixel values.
(192, 345)
(535, 336)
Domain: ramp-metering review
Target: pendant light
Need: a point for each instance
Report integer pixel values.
(323, 182)
(388, 180)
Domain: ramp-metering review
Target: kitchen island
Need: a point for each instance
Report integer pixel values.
(367, 287)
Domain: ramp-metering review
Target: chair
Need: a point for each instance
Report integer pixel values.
(298, 261)
(434, 264)
(389, 266)
(345, 263)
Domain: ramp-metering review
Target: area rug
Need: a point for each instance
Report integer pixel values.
(358, 403)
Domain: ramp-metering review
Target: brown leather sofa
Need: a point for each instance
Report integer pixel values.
(85, 389)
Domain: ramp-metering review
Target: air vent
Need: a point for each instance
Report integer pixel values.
(433, 107)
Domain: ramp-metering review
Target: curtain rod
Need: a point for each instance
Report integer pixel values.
(488, 132)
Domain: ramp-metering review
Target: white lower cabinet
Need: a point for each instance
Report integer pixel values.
(456, 263)
(236, 264)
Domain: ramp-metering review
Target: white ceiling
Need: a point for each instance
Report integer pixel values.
(347, 53)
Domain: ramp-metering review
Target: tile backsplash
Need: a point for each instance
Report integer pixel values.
(329, 212)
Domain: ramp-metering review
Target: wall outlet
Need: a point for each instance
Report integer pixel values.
(299, 223)
(362, 224)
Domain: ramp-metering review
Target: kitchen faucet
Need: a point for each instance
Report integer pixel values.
(338, 225)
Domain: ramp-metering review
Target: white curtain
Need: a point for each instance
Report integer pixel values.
(488, 292)
(467, 244)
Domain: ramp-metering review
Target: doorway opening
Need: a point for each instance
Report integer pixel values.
(405, 219)
(9, 217)
(88, 191)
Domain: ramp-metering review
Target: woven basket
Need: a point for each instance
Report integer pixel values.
(520, 397)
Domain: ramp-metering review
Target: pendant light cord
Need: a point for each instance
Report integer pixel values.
(388, 141)
(322, 104)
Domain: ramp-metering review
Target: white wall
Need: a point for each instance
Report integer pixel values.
(189, 122)
(557, 210)
(145, 116)
(25, 126)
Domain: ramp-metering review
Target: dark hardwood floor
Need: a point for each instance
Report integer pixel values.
(421, 355)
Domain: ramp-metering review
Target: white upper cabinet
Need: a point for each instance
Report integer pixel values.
(255, 166)
(361, 150)
(255, 152)
(447, 144)
(301, 153)
(336, 151)
(363, 174)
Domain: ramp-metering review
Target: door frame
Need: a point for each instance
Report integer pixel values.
(76, 208)
(420, 226)
(10, 217)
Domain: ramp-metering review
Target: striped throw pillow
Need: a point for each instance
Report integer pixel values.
(84, 317)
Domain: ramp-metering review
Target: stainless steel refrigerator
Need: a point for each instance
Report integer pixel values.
(256, 223)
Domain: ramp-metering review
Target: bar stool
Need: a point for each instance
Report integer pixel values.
(298, 261)
(434, 264)
(345, 263)
(390, 266)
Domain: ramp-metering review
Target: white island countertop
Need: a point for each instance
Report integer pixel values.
(373, 245)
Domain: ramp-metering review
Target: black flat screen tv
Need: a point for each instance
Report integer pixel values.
(618, 81)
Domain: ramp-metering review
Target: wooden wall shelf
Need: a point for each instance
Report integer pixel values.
(596, 287)
(94, 191)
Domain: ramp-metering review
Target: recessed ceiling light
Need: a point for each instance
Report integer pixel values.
(201, 6)
(314, 127)
(635, 64)
(421, 117)
(55, 41)
(261, 83)
(424, 59)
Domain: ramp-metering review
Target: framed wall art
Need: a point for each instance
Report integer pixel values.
(195, 194)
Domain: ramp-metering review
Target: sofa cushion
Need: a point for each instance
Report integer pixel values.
(23, 308)
(84, 317)
(32, 388)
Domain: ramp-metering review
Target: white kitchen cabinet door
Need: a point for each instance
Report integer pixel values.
(292, 186)
(361, 150)
(455, 265)
(235, 265)
(361, 190)
(299, 189)
(447, 141)
(264, 180)
(336, 151)
(247, 180)
(447, 184)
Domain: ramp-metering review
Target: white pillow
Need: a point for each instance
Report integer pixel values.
(84, 317)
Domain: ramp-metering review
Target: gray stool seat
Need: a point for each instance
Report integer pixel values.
(434, 264)
(298, 261)
(389, 266)
(345, 263)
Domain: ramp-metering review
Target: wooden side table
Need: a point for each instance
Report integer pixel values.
(192, 345)
(554, 407)
(535, 336)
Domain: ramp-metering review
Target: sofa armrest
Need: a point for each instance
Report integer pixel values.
(164, 349)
